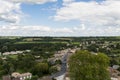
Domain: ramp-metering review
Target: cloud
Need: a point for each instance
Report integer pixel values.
(10, 12)
(41, 30)
(32, 30)
(82, 27)
(33, 1)
(67, 1)
(96, 19)
(104, 14)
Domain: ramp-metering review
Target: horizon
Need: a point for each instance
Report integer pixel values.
(60, 18)
(60, 36)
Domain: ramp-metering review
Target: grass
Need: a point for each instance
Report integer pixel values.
(32, 39)
(76, 43)
(25, 42)
(8, 37)
(62, 38)
(13, 56)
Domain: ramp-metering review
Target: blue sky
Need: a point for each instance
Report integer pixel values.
(59, 18)
(38, 14)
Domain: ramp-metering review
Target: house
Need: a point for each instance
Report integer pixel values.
(46, 78)
(115, 66)
(23, 76)
(15, 52)
(114, 74)
(66, 77)
(4, 58)
(7, 77)
(27, 50)
(112, 78)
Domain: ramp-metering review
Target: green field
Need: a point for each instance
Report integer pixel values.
(40, 42)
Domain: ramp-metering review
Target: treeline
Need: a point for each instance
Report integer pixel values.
(29, 46)
(74, 39)
(95, 39)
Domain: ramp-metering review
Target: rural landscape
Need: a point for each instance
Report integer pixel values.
(59, 39)
(53, 58)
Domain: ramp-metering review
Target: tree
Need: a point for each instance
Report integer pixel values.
(1, 61)
(93, 47)
(4, 49)
(8, 67)
(27, 62)
(87, 66)
(40, 69)
(53, 70)
(34, 77)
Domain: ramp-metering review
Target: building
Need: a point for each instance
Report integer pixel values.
(114, 74)
(115, 66)
(7, 77)
(45, 78)
(23, 76)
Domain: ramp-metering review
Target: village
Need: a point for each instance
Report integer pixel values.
(62, 73)
(53, 56)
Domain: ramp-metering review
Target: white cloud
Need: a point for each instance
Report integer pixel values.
(33, 1)
(10, 12)
(40, 30)
(67, 1)
(82, 27)
(102, 14)
(63, 30)
(19, 30)
(97, 19)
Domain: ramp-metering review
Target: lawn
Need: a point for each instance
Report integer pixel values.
(13, 56)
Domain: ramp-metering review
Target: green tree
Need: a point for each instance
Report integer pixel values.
(53, 69)
(34, 77)
(27, 62)
(40, 69)
(87, 66)
(4, 49)
(8, 67)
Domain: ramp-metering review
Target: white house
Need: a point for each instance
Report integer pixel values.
(22, 76)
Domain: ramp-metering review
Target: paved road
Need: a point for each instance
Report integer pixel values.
(60, 75)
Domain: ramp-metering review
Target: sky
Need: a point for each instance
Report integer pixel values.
(59, 18)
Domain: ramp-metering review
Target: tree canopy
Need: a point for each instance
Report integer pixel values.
(84, 65)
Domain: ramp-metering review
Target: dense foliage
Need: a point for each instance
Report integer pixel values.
(88, 66)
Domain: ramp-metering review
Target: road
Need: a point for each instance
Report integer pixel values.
(60, 75)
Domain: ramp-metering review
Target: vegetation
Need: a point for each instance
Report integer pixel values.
(43, 48)
(87, 66)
